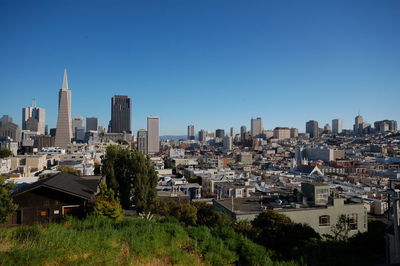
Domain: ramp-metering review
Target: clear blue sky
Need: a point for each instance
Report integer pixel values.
(214, 64)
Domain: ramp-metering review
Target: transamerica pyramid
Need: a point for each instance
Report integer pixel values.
(64, 131)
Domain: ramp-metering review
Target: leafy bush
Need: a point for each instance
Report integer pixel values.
(105, 204)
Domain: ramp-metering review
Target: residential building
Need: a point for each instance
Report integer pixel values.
(53, 198)
(321, 217)
(7, 143)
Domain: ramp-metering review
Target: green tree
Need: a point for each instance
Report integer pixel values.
(144, 181)
(341, 228)
(183, 212)
(97, 169)
(7, 206)
(105, 204)
(277, 232)
(206, 215)
(4, 153)
(69, 170)
(132, 177)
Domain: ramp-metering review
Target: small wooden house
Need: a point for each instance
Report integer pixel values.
(52, 198)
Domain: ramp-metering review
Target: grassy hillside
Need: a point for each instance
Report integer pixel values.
(97, 241)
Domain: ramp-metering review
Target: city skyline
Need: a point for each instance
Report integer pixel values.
(210, 65)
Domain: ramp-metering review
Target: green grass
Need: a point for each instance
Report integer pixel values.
(99, 241)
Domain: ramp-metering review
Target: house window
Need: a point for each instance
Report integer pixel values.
(352, 220)
(324, 220)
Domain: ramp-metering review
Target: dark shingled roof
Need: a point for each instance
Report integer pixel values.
(307, 169)
(71, 184)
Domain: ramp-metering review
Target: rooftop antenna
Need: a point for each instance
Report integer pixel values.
(33, 102)
(358, 111)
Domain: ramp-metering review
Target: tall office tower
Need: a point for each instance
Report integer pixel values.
(91, 124)
(385, 125)
(232, 132)
(64, 132)
(294, 132)
(77, 124)
(6, 119)
(337, 126)
(312, 128)
(153, 134)
(9, 129)
(142, 141)
(191, 132)
(227, 143)
(281, 133)
(256, 127)
(32, 124)
(327, 129)
(120, 114)
(358, 121)
(219, 133)
(202, 135)
(37, 113)
(243, 130)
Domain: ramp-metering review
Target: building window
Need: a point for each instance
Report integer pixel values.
(324, 220)
(352, 220)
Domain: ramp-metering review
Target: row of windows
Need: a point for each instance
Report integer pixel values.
(324, 220)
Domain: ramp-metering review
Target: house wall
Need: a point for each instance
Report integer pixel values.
(32, 205)
(311, 216)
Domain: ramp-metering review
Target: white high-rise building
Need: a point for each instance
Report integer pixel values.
(153, 134)
(39, 114)
(228, 143)
(142, 141)
(64, 128)
(232, 132)
(77, 125)
(337, 126)
(256, 127)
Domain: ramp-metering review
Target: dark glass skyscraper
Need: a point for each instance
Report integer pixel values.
(120, 114)
(312, 128)
(91, 124)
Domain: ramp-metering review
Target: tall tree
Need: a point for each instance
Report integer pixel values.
(144, 181)
(7, 206)
(131, 175)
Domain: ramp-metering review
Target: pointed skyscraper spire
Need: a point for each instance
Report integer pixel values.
(65, 81)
